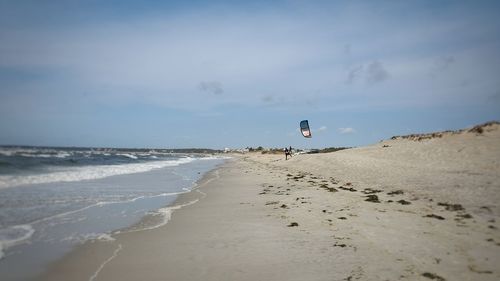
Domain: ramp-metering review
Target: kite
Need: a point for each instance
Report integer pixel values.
(304, 129)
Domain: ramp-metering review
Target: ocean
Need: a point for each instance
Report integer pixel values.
(52, 199)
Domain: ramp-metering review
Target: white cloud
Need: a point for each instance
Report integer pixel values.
(347, 130)
(321, 129)
(287, 60)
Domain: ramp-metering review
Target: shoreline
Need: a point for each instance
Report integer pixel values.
(183, 199)
(56, 236)
(396, 210)
(224, 236)
(147, 223)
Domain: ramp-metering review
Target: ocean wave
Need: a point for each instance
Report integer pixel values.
(18, 234)
(42, 155)
(128, 155)
(14, 235)
(7, 152)
(104, 203)
(32, 153)
(88, 172)
(213, 157)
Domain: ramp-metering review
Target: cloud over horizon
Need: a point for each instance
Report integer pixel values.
(322, 128)
(288, 59)
(347, 130)
(167, 55)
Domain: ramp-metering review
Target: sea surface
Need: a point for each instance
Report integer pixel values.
(52, 199)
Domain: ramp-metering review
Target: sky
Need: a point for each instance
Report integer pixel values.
(216, 74)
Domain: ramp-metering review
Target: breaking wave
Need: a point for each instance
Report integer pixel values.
(88, 172)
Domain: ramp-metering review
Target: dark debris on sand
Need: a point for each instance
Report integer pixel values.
(371, 191)
(265, 191)
(292, 224)
(372, 198)
(434, 216)
(451, 207)
(433, 276)
(403, 202)
(486, 208)
(329, 189)
(348, 189)
(272, 203)
(296, 178)
(395, 192)
(463, 216)
(474, 269)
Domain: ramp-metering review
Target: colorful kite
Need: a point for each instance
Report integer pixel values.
(304, 129)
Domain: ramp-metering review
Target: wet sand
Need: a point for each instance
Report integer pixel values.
(402, 209)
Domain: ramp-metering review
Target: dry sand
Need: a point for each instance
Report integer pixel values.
(402, 209)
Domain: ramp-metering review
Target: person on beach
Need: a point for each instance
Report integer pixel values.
(288, 152)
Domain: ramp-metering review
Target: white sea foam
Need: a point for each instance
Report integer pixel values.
(103, 203)
(215, 157)
(6, 152)
(105, 237)
(165, 213)
(88, 172)
(31, 153)
(14, 235)
(82, 238)
(18, 234)
(128, 155)
(115, 254)
(62, 155)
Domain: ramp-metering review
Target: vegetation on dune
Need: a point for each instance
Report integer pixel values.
(281, 150)
(479, 129)
(332, 149)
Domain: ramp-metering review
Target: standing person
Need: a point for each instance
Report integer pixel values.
(286, 153)
(290, 151)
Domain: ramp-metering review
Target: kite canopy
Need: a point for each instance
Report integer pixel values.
(304, 129)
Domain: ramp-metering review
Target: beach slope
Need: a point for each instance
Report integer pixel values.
(420, 207)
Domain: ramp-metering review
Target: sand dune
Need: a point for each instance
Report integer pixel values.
(422, 201)
(462, 167)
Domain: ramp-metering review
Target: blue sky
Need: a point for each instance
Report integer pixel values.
(234, 74)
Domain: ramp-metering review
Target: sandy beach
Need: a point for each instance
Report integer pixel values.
(423, 207)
